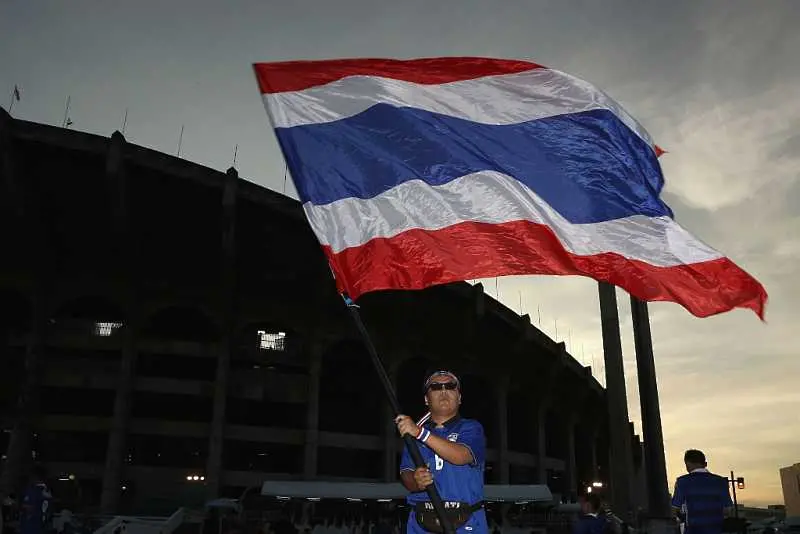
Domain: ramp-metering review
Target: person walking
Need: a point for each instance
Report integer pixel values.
(701, 499)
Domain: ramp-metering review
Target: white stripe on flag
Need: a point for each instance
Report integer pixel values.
(503, 99)
(495, 198)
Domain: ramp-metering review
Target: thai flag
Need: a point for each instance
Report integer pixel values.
(427, 171)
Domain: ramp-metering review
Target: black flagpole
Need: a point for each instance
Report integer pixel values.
(411, 442)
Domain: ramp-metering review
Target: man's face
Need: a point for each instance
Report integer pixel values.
(443, 396)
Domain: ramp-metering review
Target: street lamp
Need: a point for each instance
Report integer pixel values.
(595, 486)
(736, 483)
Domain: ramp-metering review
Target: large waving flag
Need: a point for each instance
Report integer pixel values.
(427, 171)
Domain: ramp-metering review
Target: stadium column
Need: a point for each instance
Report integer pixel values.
(19, 451)
(655, 463)
(312, 411)
(126, 282)
(620, 457)
(227, 312)
(571, 469)
(501, 388)
(20, 444)
(112, 475)
(545, 401)
(390, 435)
(541, 441)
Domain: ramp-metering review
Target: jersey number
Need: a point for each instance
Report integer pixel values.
(439, 462)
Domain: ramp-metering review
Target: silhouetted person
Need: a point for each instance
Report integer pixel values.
(35, 506)
(701, 499)
(592, 520)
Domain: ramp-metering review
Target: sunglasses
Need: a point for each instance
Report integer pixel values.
(441, 386)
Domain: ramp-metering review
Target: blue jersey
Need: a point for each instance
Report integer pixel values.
(703, 498)
(591, 524)
(458, 483)
(35, 509)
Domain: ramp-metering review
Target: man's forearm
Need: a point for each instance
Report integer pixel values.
(407, 478)
(455, 453)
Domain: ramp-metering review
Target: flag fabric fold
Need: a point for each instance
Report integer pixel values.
(420, 172)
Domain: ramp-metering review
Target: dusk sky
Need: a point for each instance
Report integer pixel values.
(716, 83)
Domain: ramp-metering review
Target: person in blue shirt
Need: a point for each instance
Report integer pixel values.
(35, 506)
(454, 450)
(701, 499)
(592, 520)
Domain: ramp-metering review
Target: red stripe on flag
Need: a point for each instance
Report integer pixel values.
(417, 259)
(297, 75)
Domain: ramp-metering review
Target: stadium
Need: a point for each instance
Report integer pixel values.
(171, 333)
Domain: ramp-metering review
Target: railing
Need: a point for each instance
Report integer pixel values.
(143, 525)
(174, 521)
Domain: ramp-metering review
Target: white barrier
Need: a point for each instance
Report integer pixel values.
(143, 525)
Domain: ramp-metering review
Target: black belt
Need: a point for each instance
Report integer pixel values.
(458, 513)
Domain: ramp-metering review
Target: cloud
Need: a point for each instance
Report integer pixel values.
(724, 152)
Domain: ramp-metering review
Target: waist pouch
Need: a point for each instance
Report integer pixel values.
(457, 512)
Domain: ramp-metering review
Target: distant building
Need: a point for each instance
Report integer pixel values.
(754, 514)
(790, 480)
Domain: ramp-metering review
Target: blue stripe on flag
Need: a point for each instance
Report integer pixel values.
(588, 166)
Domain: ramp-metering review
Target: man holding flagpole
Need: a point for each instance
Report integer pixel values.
(454, 450)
